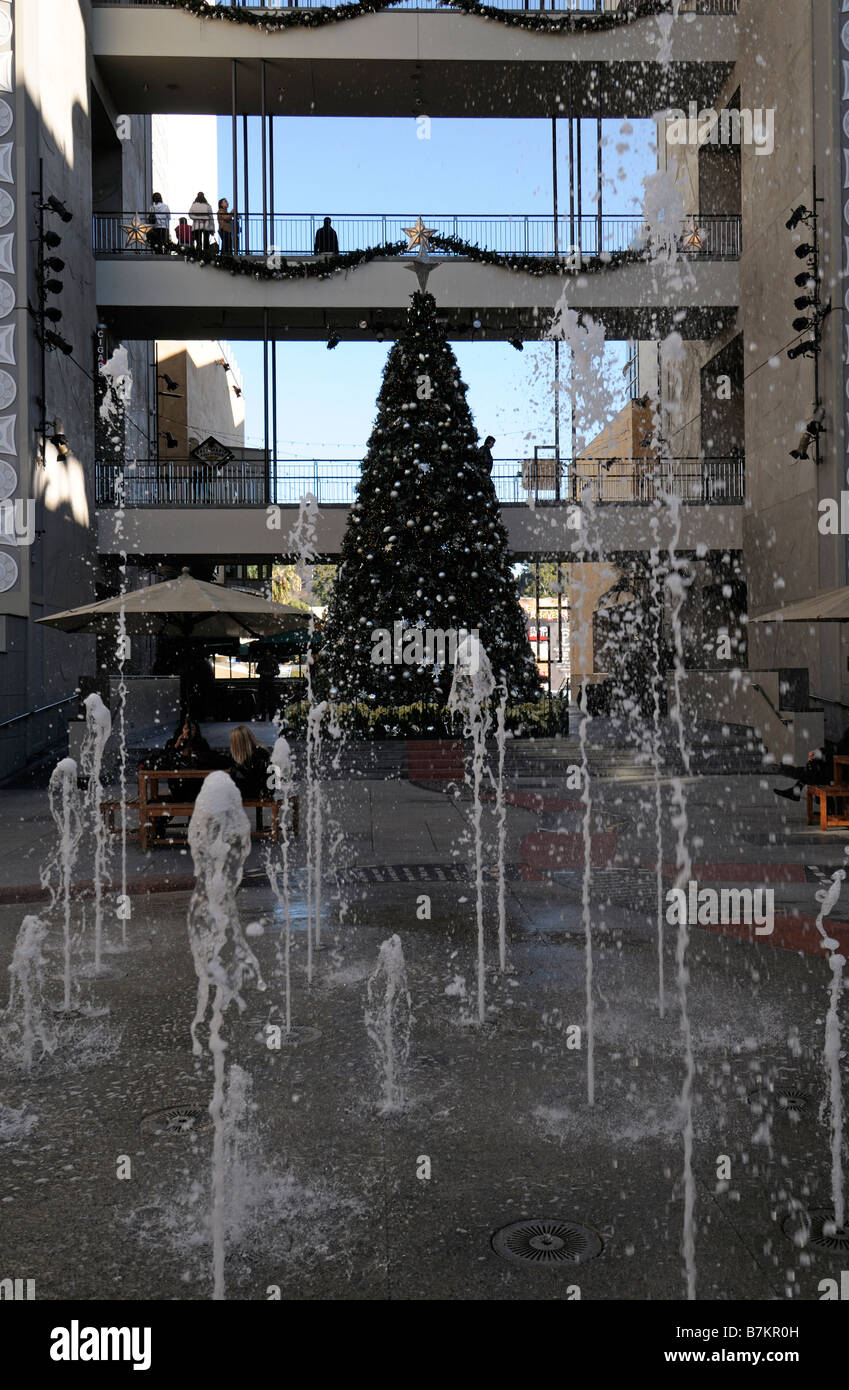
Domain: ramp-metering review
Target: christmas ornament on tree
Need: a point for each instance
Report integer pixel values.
(424, 557)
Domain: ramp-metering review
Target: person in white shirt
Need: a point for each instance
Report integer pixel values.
(160, 231)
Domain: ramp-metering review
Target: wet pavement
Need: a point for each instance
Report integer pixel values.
(340, 1201)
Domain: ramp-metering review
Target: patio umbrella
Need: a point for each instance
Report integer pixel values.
(831, 606)
(285, 643)
(184, 607)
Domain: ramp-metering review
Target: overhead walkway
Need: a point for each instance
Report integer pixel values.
(146, 296)
(406, 61)
(243, 534)
(244, 509)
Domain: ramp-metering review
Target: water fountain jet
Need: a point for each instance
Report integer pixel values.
(471, 690)
(388, 1022)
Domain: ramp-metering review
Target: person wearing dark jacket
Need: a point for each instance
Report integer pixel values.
(485, 452)
(249, 765)
(188, 748)
(267, 669)
(818, 771)
(225, 227)
(326, 241)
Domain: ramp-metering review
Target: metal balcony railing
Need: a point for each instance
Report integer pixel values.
(333, 482)
(293, 234)
(720, 7)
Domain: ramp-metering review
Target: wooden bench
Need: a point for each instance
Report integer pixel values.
(110, 811)
(838, 794)
(152, 807)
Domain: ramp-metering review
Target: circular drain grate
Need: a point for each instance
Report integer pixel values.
(816, 1230)
(177, 1119)
(547, 1243)
(785, 1098)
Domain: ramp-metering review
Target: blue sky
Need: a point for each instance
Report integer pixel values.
(359, 165)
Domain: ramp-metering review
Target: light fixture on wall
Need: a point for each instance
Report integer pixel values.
(806, 349)
(170, 383)
(170, 441)
(58, 438)
(809, 323)
(810, 435)
(54, 204)
(799, 214)
(516, 342)
(333, 341)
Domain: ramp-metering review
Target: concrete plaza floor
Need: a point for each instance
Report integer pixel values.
(334, 1204)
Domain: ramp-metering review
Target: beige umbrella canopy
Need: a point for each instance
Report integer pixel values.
(831, 606)
(183, 607)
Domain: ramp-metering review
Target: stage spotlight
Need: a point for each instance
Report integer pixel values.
(799, 214)
(56, 343)
(806, 349)
(805, 281)
(516, 342)
(801, 324)
(333, 341)
(804, 250)
(59, 208)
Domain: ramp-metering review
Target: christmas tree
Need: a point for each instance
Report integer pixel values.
(425, 548)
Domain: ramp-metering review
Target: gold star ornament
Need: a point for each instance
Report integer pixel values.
(419, 235)
(136, 231)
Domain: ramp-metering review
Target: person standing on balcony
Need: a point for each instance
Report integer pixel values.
(485, 452)
(225, 227)
(267, 669)
(160, 219)
(184, 233)
(203, 222)
(326, 241)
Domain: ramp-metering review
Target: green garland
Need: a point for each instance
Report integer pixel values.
(536, 265)
(258, 269)
(273, 21)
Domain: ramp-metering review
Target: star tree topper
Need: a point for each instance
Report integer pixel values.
(136, 231)
(420, 235)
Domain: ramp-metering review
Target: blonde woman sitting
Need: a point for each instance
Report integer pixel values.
(249, 766)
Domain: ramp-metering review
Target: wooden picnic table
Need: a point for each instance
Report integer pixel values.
(152, 806)
(841, 767)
